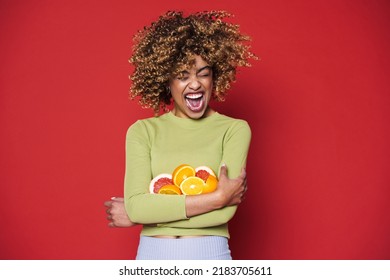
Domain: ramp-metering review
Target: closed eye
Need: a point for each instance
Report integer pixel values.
(205, 71)
(182, 78)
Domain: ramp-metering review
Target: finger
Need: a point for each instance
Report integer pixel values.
(223, 171)
(108, 203)
(244, 182)
(108, 211)
(109, 217)
(243, 174)
(112, 225)
(119, 199)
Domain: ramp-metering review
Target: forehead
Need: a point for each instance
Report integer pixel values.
(195, 63)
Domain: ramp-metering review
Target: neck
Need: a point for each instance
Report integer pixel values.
(209, 111)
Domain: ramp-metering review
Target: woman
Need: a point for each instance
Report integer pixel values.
(188, 60)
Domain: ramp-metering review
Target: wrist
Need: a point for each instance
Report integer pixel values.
(218, 199)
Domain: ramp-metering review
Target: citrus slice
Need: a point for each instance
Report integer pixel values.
(181, 173)
(210, 185)
(160, 181)
(204, 172)
(169, 189)
(192, 186)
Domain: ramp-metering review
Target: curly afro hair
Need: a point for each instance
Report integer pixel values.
(169, 44)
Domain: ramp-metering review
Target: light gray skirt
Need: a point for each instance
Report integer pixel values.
(197, 248)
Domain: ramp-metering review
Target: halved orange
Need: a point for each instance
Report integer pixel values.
(169, 189)
(181, 173)
(210, 185)
(192, 186)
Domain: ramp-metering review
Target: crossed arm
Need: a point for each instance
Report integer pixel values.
(230, 192)
(205, 210)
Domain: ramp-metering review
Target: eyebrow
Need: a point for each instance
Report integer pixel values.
(203, 68)
(198, 71)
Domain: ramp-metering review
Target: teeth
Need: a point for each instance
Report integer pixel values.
(194, 95)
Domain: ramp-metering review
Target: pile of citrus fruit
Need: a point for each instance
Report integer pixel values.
(185, 180)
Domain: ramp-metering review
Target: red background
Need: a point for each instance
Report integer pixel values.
(317, 102)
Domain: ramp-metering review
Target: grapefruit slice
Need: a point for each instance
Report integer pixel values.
(204, 172)
(159, 181)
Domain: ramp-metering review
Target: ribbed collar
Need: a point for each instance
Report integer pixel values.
(190, 123)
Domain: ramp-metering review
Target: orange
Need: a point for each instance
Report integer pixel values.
(169, 189)
(192, 186)
(210, 185)
(181, 173)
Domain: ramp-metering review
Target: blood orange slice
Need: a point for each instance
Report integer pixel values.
(204, 172)
(159, 181)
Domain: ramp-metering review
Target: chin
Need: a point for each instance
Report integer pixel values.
(196, 115)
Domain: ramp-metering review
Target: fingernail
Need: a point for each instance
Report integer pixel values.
(223, 164)
(113, 198)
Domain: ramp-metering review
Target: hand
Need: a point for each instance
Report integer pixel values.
(117, 213)
(231, 191)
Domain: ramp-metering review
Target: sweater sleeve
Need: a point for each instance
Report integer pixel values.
(142, 206)
(235, 150)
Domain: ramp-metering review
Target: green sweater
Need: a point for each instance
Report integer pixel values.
(158, 145)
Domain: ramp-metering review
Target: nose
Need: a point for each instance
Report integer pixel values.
(194, 84)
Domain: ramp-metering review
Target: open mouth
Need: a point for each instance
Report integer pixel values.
(195, 101)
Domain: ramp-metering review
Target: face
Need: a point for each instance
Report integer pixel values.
(191, 90)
